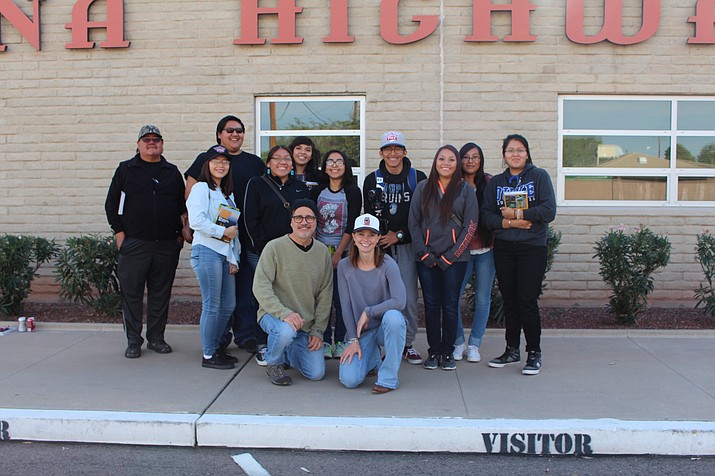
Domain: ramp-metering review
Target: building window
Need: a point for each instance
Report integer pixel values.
(332, 122)
(636, 150)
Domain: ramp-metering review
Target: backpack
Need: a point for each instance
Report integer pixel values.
(411, 178)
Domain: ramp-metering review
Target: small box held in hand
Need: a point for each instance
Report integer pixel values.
(517, 200)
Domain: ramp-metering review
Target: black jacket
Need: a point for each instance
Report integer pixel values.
(398, 195)
(152, 206)
(264, 214)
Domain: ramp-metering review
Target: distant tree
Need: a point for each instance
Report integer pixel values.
(707, 154)
(683, 153)
(580, 151)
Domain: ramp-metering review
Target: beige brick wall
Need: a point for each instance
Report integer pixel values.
(67, 117)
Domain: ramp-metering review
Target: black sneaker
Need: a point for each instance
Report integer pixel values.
(448, 362)
(432, 362)
(261, 356)
(133, 351)
(159, 346)
(510, 356)
(216, 362)
(226, 355)
(277, 375)
(533, 364)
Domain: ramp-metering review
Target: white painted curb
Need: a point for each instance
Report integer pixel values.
(603, 436)
(99, 427)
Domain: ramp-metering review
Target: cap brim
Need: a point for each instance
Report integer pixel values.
(366, 228)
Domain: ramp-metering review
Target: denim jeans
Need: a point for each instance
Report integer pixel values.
(440, 290)
(218, 295)
(482, 267)
(288, 346)
(339, 324)
(520, 271)
(391, 335)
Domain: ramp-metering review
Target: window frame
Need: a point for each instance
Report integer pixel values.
(358, 171)
(671, 173)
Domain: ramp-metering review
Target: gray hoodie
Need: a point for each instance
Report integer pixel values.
(443, 243)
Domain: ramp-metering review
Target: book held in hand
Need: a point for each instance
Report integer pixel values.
(227, 216)
(517, 200)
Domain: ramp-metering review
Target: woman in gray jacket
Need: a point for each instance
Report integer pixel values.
(443, 219)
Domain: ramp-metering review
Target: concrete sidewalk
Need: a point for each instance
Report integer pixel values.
(599, 392)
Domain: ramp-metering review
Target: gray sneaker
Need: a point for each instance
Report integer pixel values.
(533, 364)
(510, 356)
(277, 375)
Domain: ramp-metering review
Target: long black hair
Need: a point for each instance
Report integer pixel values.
(311, 168)
(432, 188)
(226, 182)
(480, 180)
(347, 175)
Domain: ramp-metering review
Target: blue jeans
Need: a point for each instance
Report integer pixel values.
(218, 295)
(440, 290)
(288, 346)
(391, 335)
(482, 266)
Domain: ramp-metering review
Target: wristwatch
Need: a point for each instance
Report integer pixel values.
(400, 235)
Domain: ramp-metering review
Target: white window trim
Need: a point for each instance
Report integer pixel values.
(672, 173)
(357, 171)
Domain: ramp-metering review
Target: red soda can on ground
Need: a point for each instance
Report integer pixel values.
(30, 324)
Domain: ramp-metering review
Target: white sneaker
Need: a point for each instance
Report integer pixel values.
(473, 354)
(459, 351)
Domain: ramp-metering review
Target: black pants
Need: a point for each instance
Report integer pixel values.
(150, 264)
(520, 270)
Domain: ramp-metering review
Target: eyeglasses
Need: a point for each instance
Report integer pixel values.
(151, 140)
(471, 158)
(392, 150)
(515, 151)
(338, 162)
(282, 159)
(231, 130)
(222, 163)
(301, 218)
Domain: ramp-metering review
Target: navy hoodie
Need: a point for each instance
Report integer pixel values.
(542, 204)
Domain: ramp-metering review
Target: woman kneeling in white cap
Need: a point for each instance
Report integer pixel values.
(372, 297)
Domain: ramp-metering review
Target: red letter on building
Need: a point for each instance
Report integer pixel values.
(80, 25)
(703, 20)
(612, 29)
(286, 12)
(427, 24)
(482, 20)
(29, 29)
(338, 23)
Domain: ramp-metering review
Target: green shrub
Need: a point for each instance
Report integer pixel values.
(705, 255)
(627, 263)
(87, 273)
(20, 257)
